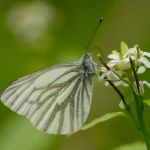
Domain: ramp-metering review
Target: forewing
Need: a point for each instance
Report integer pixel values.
(57, 100)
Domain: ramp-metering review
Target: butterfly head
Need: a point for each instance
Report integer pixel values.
(87, 64)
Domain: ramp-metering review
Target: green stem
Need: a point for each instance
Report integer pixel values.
(139, 106)
(144, 131)
(141, 122)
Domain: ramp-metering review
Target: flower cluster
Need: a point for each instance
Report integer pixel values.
(124, 66)
(122, 69)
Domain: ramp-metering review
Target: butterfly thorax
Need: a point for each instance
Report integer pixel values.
(88, 65)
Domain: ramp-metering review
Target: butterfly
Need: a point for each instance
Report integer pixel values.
(56, 100)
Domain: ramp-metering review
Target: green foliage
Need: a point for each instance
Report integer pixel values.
(124, 47)
(103, 118)
(65, 40)
(133, 146)
(147, 102)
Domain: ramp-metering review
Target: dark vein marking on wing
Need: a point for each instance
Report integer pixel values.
(78, 105)
(62, 106)
(51, 98)
(33, 78)
(16, 96)
(86, 90)
(18, 86)
(38, 73)
(72, 113)
(55, 94)
(61, 121)
(52, 102)
(82, 99)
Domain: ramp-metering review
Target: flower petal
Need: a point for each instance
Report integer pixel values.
(146, 83)
(130, 52)
(124, 64)
(114, 56)
(102, 76)
(118, 83)
(106, 83)
(111, 76)
(112, 63)
(141, 87)
(121, 105)
(145, 61)
(121, 83)
(146, 54)
(141, 70)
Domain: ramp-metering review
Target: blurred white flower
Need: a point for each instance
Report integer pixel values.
(121, 61)
(118, 61)
(118, 69)
(109, 74)
(30, 20)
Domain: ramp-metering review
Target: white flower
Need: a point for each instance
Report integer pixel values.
(140, 58)
(141, 70)
(113, 76)
(123, 69)
(121, 60)
(109, 74)
(118, 61)
(119, 70)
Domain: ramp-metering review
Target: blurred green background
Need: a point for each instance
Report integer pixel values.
(38, 34)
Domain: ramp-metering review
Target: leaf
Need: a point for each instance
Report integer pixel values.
(147, 102)
(115, 52)
(103, 118)
(133, 146)
(123, 47)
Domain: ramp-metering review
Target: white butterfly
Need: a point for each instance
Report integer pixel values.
(57, 100)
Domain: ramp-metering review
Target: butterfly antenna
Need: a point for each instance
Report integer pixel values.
(90, 41)
(85, 52)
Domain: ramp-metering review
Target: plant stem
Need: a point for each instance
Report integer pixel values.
(144, 131)
(141, 122)
(139, 106)
(118, 92)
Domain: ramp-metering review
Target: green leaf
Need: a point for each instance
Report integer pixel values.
(133, 146)
(103, 118)
(115, 52)
(123, 47)
(147, 102)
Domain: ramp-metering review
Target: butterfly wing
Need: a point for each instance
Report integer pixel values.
(56, 100)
